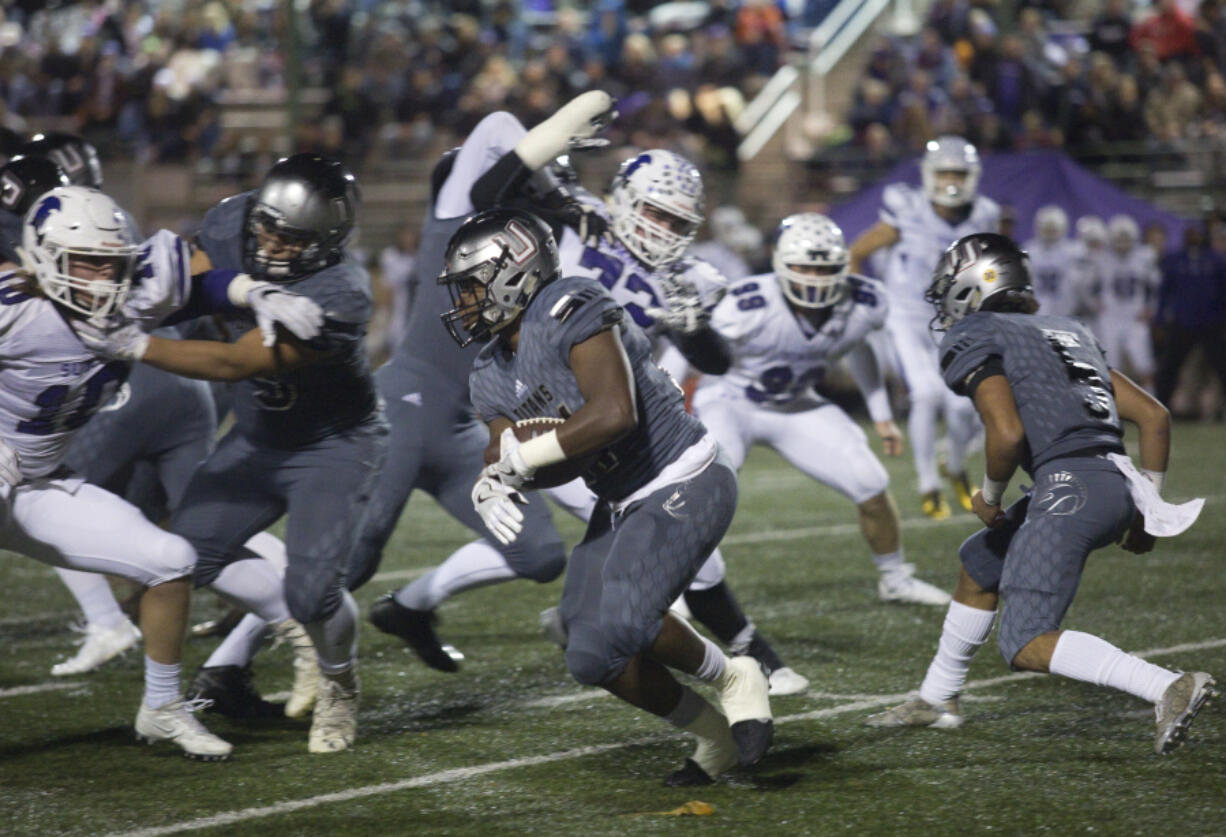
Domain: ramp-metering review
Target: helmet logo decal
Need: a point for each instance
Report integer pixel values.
(518, 241)
(989, 275)
(633, 165)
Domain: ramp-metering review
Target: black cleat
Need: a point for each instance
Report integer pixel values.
(416, 628)
(753, 739)
(689, 776)
(232, 693)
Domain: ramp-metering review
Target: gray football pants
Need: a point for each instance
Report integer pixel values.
(1035, 561)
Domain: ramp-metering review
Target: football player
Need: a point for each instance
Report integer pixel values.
(786, 329)
(309, 433)
(1052, 262)
(919, 224)
(1089, 254)
(80, 264)
(1130, 280)
(1052, 406)
(564, 348)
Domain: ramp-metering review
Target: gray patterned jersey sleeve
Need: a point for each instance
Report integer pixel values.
(576, 309)
(966, 348)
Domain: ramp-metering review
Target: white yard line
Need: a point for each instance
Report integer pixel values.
(459, 774)
(59, 685)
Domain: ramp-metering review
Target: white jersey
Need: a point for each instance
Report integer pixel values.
(634, 285)
(779, 356)
(1053, 270)
(923, 236)
(1129, 284)
(50, 384)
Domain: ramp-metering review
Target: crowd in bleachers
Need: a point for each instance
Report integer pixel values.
(1051, 73)
(146, 78)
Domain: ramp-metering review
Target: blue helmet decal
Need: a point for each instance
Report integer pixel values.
(45, 209)
(635, 163)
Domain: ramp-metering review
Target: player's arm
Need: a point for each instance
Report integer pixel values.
(706, 350)
(610, 409)
(214, 361)
(1153, 422)
(866, 372)
(1004, 444)
(870, 241)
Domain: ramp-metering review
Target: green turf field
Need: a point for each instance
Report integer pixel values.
(511, 746)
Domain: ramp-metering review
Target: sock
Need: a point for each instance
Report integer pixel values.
(93, 594)
(713, 662)
(475, 564)
(240, 644)
(161, 683)
(889, 561)
(716, 750)
(1085, 657)
(922, 428)
(965, 629)
(718, 610)
(254, 585)
(336, 638)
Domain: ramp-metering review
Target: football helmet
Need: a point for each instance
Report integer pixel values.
(666, 183)
(72, 153)
(24, 180)
(1092, 231)
(308, 201)
(950, 154)
(80, 222)
(813, 241)
(1050, 224)
(1123, 233)
(974, 269)
(494, 263)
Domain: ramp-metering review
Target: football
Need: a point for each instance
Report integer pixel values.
(552, 475)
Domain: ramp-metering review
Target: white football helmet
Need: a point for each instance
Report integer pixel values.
(1123, 233)
(814, 241)
(78, 221)
(1050, 224)
(668, 183)
(951, 154)
(1091, 231)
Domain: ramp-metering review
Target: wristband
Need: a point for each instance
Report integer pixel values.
(239, 287)
(993, 490)
(1158, 478)
(542, 450)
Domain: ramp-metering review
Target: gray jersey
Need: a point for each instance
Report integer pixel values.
(331, 395)
(1060, 379)
(10, 237)
(537, 381)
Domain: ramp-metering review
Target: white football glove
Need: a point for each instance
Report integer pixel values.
(497, 504)
(10, 466)
(683, 311)
(271, 305)
(115, 338)
(511, 470)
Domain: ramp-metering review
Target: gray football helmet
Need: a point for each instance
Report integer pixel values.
(975, 269)
(308, 200)
(494, 264)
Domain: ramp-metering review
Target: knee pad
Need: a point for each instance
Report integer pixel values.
(627, 639)
(363, 563)
(312, 597)
(173, 558)
(588, 667)
(980, 563)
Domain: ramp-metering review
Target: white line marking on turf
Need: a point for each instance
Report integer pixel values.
(459, 774)
(18, 691)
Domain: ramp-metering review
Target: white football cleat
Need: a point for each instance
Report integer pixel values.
(899, 584)
(552, 627)
(1178, 706)
(917, 712)
(335, 724)
(306, 668)
(744, 695)
(784, 681)
(175, 722)
(99, 646)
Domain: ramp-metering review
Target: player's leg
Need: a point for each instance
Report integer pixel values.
(1069, 518)
(93, 530)
(107, 631)
(730, 419)
(916, 357)
(327, 487)
(1139, 348)
(962, 425)
(537, 554)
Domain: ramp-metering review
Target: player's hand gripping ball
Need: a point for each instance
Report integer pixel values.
(551, 475)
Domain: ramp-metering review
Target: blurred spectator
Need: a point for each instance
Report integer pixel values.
(1109, 31)
(761, 35)
(1170, 29)
(396, 263)
(1172, 106)
(1191, 310)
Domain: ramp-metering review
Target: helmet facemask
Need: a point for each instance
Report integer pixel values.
(475, 315)
(948, 156)
(653, 239)
(810, 260)
(267, 233)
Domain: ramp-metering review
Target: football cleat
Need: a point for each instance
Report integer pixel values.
(175, 722)
(98, 646)
(219, 627)
(230, 692)
(1179, 704)
(306, 667)
(689, 776)
(917, 712)
(744, 695)
(963, 490)
(899, 584)
(552, 627)
(416, 628)
(335, 724)
(784, 681)
(933, 505)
